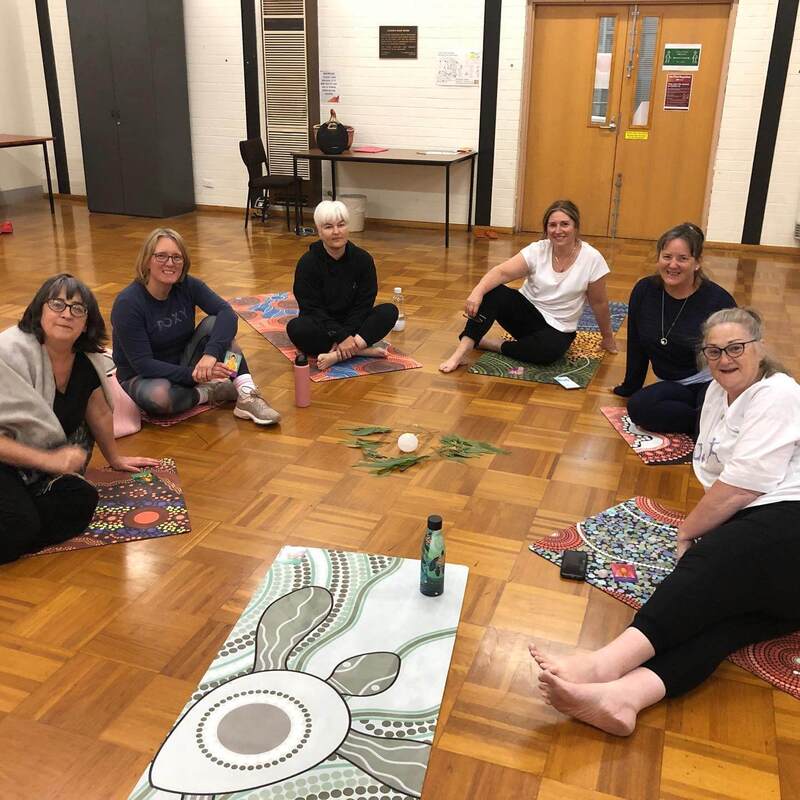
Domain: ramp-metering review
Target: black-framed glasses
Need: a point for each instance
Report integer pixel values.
(476, 318)
(733, 350)
(162, 258)
(58, 305)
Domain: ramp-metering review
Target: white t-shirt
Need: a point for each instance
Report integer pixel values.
(755, 442)
(560, 296)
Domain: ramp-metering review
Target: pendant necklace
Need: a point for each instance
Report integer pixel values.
(569, 258)
(664, 340)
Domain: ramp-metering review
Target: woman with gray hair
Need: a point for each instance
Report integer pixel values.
(335, 285)
(165, 363)
(735, 583)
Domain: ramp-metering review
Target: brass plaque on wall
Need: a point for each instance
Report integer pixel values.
(397, 41)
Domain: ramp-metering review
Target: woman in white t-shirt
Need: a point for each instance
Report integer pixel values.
(739, 549)
(561, 273)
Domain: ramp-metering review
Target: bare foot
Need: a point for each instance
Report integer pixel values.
(374, 352)
(491, 343)
(452, 364)
(325, 360)
(576, 668)
(602, 705)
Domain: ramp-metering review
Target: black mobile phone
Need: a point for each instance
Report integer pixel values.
(573, 565)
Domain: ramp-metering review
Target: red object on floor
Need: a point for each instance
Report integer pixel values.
(6, 227)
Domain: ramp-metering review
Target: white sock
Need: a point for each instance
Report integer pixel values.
(202, 391)
(244, 384)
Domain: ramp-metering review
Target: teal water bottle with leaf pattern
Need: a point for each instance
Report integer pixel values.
(431, 578)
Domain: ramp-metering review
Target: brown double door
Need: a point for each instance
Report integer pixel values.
(621, 115)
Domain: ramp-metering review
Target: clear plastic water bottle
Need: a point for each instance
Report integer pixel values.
(431, 578)
(398, 300)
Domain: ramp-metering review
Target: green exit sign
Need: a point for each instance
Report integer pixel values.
(681, 56)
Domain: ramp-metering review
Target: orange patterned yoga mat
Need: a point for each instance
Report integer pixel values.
(269, 314)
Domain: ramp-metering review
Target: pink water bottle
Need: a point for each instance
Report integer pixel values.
(302, 381)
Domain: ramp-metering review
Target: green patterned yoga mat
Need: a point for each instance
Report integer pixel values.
(314, 695)
(580, 363)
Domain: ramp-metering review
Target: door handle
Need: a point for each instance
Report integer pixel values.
(612, 126)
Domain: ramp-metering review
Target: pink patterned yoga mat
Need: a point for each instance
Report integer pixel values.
(174, 419)
(652, 448)
(269, 314)
(641, 532)
(145, 505)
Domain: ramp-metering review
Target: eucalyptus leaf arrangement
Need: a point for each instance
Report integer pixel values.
(370, 439)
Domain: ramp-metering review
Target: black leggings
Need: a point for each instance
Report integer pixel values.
(45, 513)
(160, 396)
(535, 341)
(668, 407)
(737, 586)
(311, 338)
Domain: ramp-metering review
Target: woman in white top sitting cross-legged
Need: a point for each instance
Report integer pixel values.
(561, 274)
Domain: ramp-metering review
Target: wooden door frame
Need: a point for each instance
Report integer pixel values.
(526, 104)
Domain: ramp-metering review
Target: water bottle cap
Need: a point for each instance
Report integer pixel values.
(398, 290)
(434, 522)
(301, 360)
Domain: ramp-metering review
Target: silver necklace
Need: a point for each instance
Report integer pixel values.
(569, 257)
(664, 340)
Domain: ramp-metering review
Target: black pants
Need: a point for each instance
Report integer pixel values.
(48, 512)
(311, 338)
(668, 407)
(737, 586)
(536, 341)
(160, 396)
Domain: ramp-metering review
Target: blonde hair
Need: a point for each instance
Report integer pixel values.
(149, 247)
(328, 212)
(752, 322)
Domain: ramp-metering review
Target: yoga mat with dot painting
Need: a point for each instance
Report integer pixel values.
(313, 695)
(147, 505)
(269, 313)
(580, 363)
(641, 532)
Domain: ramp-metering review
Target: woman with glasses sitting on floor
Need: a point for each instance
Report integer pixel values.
(561, 273)
(53, 406)
(735, 583)
(665, 314)
(165, 363)
(335, 285)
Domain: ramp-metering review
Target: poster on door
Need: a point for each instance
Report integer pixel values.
(682, 57)
(678, 92)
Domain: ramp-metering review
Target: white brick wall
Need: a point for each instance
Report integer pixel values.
(752, 40)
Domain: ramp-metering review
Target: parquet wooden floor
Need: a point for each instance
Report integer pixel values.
(99, 649)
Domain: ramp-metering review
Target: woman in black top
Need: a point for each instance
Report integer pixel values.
(335, 285)
(665, 315)
(52, 408)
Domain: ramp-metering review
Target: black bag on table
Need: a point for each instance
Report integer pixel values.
(332, 136)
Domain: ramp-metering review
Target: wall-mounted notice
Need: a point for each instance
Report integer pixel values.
(458, 68)
(328, 87)
(637, 136)
(678, 92)
(397, 41)
(681, 57)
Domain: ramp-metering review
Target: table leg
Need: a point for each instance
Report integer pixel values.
(49, 180)
(471, 187)
(333, 179)
(298, 209)
(447, 206)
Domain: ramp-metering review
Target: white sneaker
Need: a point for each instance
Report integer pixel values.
(251, 405)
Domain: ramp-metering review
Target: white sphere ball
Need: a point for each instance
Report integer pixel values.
(407, 442)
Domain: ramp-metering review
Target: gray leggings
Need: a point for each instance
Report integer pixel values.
(160, 396)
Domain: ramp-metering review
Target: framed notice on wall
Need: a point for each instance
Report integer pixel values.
(678, 92)
(682, 57)
(397, 41)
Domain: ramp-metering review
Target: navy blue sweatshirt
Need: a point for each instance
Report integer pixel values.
(677, 359)
(338, 294)
(150, 335)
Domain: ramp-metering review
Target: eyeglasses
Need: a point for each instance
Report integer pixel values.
(162, 258)
(734, 350)
(58, 305)
(476, 318)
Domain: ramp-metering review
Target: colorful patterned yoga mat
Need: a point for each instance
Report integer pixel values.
(580, 363)
(652, 448)
(269, 314)
(313, 695)
(174, 419)
(146, 505)
(641, 533)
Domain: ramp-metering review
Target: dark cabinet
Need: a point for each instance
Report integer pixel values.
(129, 58)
